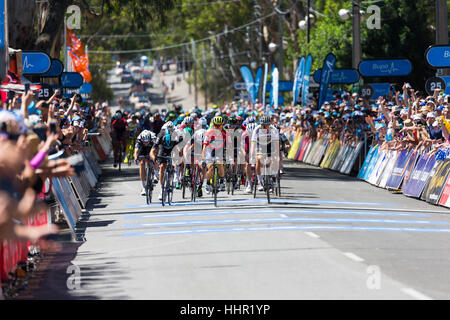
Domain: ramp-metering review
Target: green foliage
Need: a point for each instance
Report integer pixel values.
(404, 33)
(328, 36)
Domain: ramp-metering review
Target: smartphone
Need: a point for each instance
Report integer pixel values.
(53, 128)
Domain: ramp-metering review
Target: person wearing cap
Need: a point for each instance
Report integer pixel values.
(434, 129)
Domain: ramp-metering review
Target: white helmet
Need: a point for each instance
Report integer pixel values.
(250, 127)
(169, 126)
(203, 122)
(146, 136)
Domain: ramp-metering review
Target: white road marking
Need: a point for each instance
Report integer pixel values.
(416, 294)
(312, 235)
(353, 257)
(283, 215)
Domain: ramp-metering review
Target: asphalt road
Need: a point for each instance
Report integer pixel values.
(329, 236)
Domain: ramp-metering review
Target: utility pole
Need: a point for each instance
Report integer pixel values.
(190, 68)
(308, 20)
(194, 54)
(356, 56)
(205, 76)
(214, 62)
(442, 27)
(183, 63)
(280, 45)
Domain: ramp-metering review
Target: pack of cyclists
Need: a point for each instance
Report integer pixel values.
(247, 144)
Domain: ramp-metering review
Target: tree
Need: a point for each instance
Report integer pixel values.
(405, 32)
(39, 26)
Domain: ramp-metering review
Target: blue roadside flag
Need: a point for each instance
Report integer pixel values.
(248, 79)
(305, 87)
(298, 80)
(325, 77)
(258, 81)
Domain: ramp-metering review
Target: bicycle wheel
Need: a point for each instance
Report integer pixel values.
(234, 180)
(120, 158)
(267, 184)
(183, 187)
(149, 184)
(170, 186)
(194, 183)
(164, 188)
(215, 184)
(278, 189)
(255, 183)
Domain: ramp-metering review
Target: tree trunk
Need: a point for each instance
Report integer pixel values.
(26, 33)
(49, 39)
(21, 17)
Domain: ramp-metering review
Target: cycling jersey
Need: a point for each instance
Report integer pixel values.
(214, 141)
(166, 142)
(265, 138)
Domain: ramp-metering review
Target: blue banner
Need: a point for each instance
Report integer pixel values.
(385, 68)
(298, 80)
(327, 70)
(447, 83)
(56, 69)
(35, 62)
(248, 79)
(4, 54)
(71, 80)
(306, 76)
(258, 81)
(264, 87)
(275, 89)
(380, 89)
(438, 56)
(283, 86)
(346, 76)
(86, 88)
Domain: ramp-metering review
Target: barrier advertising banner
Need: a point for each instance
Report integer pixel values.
(414, 186)
(391, 161)
(427, 187)
(437, 183)
(366, 162)
(445, 197)
(65, 198)
(398, 173)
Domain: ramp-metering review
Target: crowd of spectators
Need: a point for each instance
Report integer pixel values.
(400, 120)
(37, 137)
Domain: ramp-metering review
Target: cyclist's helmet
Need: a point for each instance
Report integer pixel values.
(250, 127)
(251, 119)
(118, 115)
(146, 136)
(169, 126)
(232, 121)
(188, 121)
(264, 120)
(203, 122)
(218, 121)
